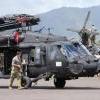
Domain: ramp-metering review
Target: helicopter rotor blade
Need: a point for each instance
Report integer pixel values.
(87, 18)
(73, 30)
(4, 36)
(95, 33)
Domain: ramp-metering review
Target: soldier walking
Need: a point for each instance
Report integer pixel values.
(16, 71)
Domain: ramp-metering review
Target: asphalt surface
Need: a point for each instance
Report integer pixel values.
(81, 89)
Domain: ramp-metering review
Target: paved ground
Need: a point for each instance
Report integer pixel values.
(81, 89)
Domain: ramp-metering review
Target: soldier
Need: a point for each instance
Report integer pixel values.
(16, 71)
(93, 35)
(16, 35)
(85, 39)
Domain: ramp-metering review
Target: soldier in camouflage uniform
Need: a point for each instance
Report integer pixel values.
(16, 71)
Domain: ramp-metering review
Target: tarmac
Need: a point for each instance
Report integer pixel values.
(80, 89)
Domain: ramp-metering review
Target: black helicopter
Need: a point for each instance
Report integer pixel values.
(46, 56)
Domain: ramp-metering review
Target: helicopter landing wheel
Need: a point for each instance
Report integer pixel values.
(59, 82)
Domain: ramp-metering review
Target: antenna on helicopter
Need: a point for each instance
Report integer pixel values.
(49, 30)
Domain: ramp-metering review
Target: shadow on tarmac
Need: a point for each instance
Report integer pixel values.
(66, 88)
(53, 88)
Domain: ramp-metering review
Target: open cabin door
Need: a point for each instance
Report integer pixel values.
(8, 56)
(37, 57)
(37, 61)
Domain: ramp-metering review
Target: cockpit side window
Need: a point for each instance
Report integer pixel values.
(70, 49)
(54, 52)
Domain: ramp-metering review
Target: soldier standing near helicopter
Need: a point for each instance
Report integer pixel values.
(88, 36)
(92, 36)
(16, 71)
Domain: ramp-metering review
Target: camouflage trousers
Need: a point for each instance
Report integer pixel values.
(17, 75)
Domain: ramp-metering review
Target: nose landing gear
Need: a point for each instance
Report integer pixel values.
(59, 82)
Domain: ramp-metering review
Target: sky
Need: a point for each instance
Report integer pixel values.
(41, 6)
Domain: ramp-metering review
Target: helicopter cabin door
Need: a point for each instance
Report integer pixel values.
(37, 61)
(8, 55)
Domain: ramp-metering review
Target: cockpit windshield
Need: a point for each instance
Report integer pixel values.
(82, 49)
(69, 50)
(74, 50)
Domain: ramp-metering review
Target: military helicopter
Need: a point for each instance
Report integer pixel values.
(46, 56)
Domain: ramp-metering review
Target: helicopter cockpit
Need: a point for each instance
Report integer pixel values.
(77, 53)
(69, 51)
(81, 48)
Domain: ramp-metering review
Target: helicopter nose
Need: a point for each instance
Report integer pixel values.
(91, 68)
